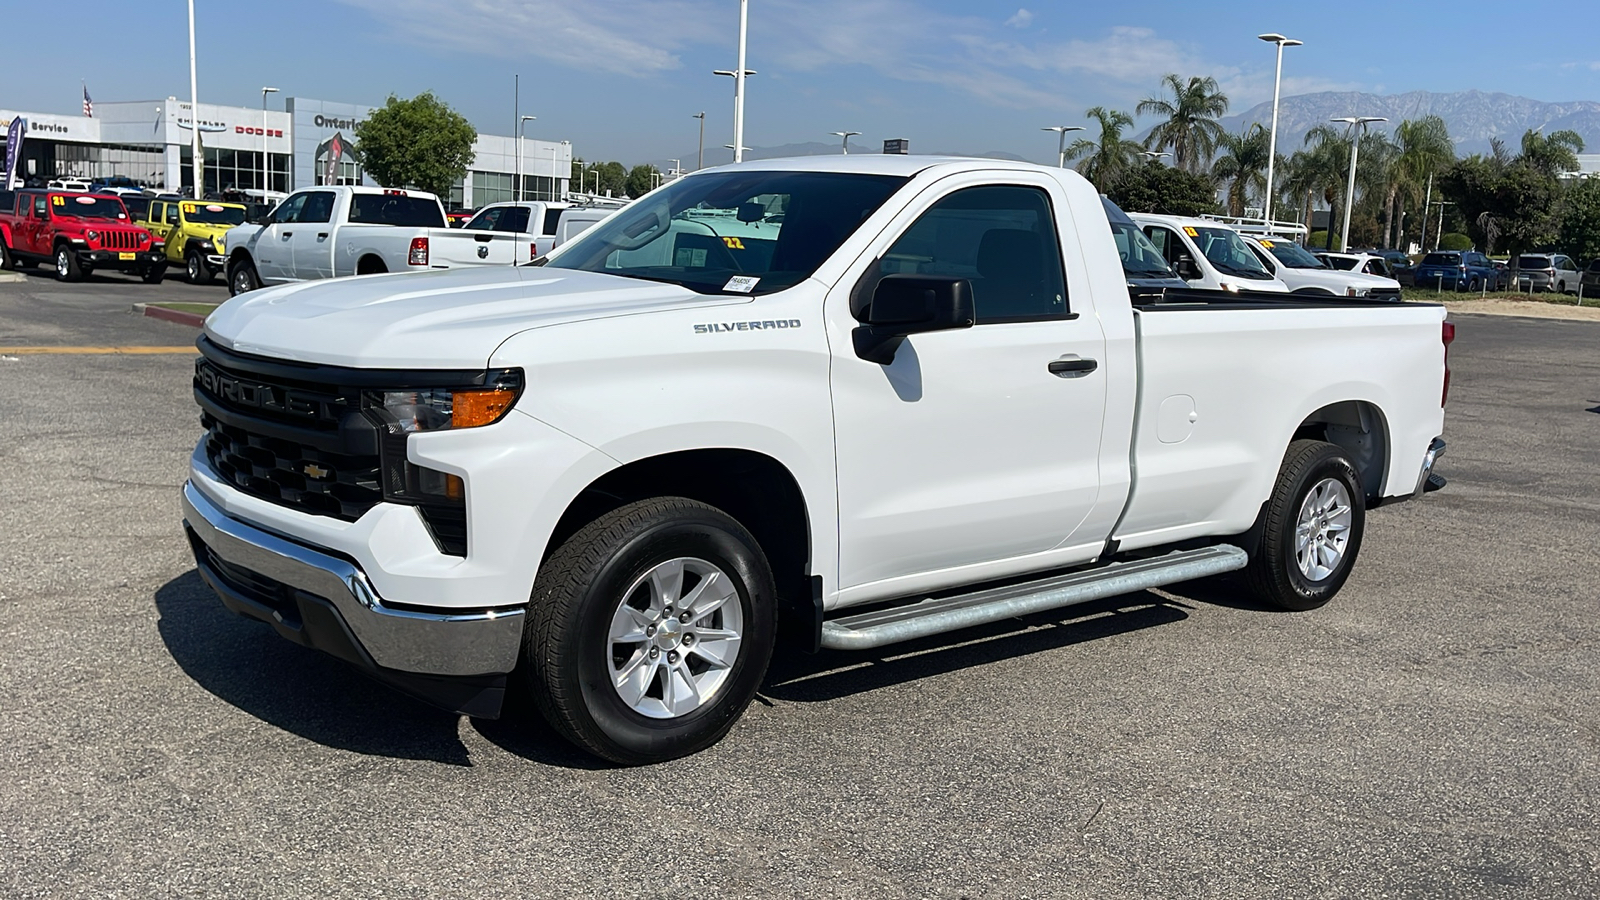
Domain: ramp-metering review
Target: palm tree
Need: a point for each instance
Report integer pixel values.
(1105, 160)
(1423, 149)
(1322, 169)
(1243, 164)
(1190, 130)
(1553, 155)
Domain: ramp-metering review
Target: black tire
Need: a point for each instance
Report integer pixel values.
(242, 277)
(1274, 574)
(153, 275)
(567, 651)
(67, 268)
(7, 263)
(196, 270)
(1472, 287)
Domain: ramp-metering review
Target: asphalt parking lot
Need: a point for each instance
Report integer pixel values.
(1432, 733)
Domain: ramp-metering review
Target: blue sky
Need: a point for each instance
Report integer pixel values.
(621, 78)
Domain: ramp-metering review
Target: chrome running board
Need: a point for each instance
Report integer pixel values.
(867, 630)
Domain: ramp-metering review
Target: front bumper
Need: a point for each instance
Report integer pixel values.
(456, 660)
(114, 259)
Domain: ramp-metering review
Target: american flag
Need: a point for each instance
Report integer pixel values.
(88, 104)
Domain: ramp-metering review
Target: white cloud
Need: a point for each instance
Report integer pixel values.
(1022, 19)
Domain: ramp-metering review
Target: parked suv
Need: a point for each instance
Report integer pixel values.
(1590, 282)
(1548, 272)
(1465, 270)
(193, 232)
(79, 233)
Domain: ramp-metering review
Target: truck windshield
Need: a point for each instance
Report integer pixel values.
(1227, 251)
(748, 232)
(396, 209)
(1140, 258)
(213, 214)
(87, 207)
(1292, 255)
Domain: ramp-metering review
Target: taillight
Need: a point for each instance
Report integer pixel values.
(1447, 333)
(419, 252)
(533, 251)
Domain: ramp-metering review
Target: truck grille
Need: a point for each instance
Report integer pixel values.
(290, 443)
(119, 240)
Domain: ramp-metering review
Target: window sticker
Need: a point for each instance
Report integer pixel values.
(1190, 231)
(733, 243)
(212, 208)
(690, 258)
(741, 284)
(188, 209)
(58, 201)
(1267, 244)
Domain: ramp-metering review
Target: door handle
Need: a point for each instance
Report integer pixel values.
(287, 234)
(322, 235)
(1072, 367)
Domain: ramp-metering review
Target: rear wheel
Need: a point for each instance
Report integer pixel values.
(6, 261)
(196, 269)
(242, 278)
(1474, 286)
(649, 630)
(1561, 287)
(1310, 530)
(67, 268)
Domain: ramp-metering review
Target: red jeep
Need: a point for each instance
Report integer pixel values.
(78, 233)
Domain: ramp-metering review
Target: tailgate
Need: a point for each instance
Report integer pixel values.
(452, 247)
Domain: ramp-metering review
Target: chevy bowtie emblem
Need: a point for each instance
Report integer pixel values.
(313, 470)
(483, 251)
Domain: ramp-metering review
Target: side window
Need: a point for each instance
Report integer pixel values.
(1166, 242)
(552, 218)
(289, 211)
(318, 207)
(172, 213)
(41, 208)
(1002, 239)
(488, 220)
(157, 212)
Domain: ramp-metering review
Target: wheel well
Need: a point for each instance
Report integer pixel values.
(752, 487)
(237, 257)
(1362, 431)
(371, 265)
(1314, 290)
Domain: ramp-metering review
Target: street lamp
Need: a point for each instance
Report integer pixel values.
(700, 160)
(738, 98)
(1355, 122)
(521, 124)
(1272, 138)
(1061, 144)
(846, 135)
(1439, 232)
(264, 92)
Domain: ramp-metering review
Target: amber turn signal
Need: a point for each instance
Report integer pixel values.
(469, 409)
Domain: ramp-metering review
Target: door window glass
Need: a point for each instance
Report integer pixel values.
(40, 210)
(1166, 242)
(1002, 239)
(317, 208)
(172, 213)
(289, 211)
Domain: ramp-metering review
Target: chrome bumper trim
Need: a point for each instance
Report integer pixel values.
(467, 643)
(1435, 450)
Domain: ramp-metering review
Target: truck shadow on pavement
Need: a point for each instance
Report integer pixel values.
(321, 699)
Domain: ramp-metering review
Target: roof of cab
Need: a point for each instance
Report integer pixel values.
(877, 164)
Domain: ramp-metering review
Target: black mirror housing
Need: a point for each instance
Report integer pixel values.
(911, 304)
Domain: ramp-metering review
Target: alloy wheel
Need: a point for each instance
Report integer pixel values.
(1322, 530)
(674, 638)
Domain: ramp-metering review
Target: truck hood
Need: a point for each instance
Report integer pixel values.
(434, 320)
(1335, 280)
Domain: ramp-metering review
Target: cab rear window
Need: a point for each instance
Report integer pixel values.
(1534, 262)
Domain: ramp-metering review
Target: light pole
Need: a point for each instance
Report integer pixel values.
(1439, 232)
(521, 123)
(846, 135)
(194, 116)
(1272, 136)
(264, 176)
(1356, 123)
(1061, 143)
(738, 101)
(700, 159)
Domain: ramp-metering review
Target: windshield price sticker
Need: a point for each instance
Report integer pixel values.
(1189, 230)
(1267, 244)
(742, 284)
(733, 243)
(58, 201)
(212, 208)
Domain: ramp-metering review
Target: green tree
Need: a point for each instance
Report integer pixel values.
(1509, 202)
(419, 143)
(1320, 171)
(1167, 190)
(1580, 220)
(1104, 161)
(1455, 241)
(1424, 150)
(1190, 129)
(1242, 165)
(1553, 155)
(640, 180)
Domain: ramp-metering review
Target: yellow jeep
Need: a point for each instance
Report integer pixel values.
(193, 230)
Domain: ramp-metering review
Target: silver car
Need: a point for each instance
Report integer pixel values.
(1548, 272)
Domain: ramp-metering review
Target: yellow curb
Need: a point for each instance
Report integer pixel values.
(132, 351)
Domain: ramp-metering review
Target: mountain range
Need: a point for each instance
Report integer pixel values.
(1473, 116)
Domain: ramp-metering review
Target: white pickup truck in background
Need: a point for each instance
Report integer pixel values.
(542, 225)
(328, 232)
(1296, 267)
(871, 398)
(1208, 254)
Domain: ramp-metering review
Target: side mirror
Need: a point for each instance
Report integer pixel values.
(911, 304)
(1187, 270)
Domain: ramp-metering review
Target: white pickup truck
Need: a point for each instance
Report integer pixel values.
(916, 398)
(328, 232)
(1294, 265)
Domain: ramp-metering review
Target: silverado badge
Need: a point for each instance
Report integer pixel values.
(313, 470)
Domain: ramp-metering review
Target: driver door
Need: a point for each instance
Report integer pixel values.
(274, 252)
(969, 456)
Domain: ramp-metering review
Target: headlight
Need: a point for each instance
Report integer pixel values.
(1230, 286)
(92, 235)
(436, 409)
(403, 413)
(205, 245)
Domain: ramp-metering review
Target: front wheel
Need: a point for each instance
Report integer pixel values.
(649, 630)
(1473, 286)
(1310, 529)
(67, 268)
(7, 263)
(196, 270)
(242, 278)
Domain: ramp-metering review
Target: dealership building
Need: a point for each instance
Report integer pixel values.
(309, 142)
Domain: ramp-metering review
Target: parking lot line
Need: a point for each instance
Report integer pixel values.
(132, 351)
